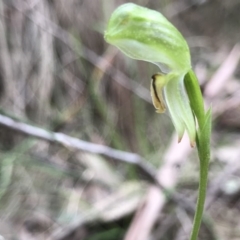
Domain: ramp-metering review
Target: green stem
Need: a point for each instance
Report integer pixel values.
(201, 199)
(203, 146)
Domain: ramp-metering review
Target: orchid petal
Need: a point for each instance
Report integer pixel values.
(180, 110)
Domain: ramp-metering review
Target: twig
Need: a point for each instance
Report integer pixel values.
(224, 72)
(77, 144)
(74, 143)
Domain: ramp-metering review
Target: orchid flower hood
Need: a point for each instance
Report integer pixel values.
(146, 35)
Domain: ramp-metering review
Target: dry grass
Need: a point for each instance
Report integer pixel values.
(57, 72)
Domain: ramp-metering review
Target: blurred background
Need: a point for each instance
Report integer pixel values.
(58, 73)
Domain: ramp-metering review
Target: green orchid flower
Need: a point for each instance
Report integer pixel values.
(145, 34)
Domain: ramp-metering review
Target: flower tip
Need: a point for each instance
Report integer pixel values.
(192, 144)
(160, 110)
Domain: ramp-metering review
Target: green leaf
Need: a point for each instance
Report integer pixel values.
(195, 96)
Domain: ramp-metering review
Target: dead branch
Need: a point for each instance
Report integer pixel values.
(224, 72)
(77, 144)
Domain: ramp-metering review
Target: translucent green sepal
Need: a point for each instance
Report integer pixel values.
(145, 34)
(180, 109)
